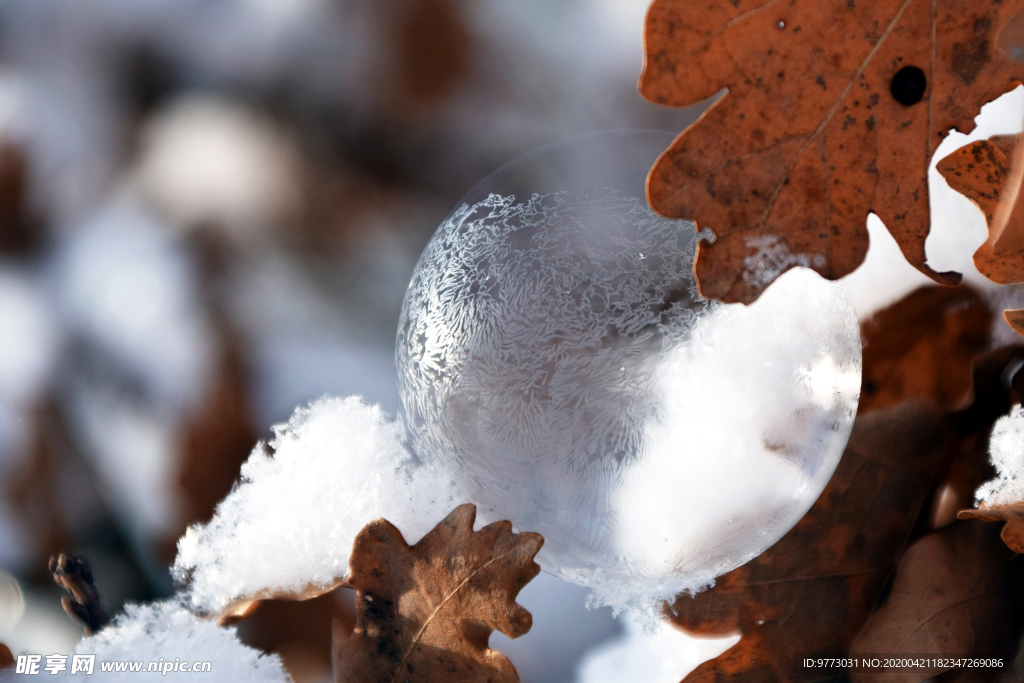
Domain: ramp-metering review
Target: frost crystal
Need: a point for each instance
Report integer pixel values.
(772, 258)
(554, 357)
(164, 632)
(336, 466)
(1006, 449)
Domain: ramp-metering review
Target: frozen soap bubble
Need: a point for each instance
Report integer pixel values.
(554, 356)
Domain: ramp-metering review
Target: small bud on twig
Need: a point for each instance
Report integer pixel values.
(74, 575)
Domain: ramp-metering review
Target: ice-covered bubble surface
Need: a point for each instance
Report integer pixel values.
(555, 358)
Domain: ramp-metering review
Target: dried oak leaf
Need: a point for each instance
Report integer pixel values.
(244, 607)
(1015, 319)
(982, 172)
(834, 110)
(951, 596)
(1013, 515)
(924, 347)
(424, 613)
(299, 631)
(811, 591)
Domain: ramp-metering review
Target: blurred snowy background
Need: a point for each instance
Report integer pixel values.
(209, 212)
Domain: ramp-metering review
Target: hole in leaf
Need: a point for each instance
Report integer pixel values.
(908, 85)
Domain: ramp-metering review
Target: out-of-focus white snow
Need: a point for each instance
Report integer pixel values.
(28, 347)
(127, 288)
(334, 467)
(664, 655)
(302, 345)
(212, 161)
(141, 349)
(1006, 450)
(166, 631)
(135, 452)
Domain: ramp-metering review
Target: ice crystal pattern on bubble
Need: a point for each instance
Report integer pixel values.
(526, 321)
(554, 357)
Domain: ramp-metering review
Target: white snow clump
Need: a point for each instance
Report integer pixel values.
(336, 466)
(1006, 450)
(167, 631)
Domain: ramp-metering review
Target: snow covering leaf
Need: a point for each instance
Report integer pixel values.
(834, 109)
(952, 595)
(425, 612)
(1002, 499)
(811, 591)
(167, 631)
(286, 529)
(983, 173)
(997, 386)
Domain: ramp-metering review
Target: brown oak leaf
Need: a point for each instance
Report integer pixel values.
(834, 109)
(983, 173)
(951, 596)
(244, 607)
(990, 173)
(1013, 515)
(924, 346)
(424, 613)
(1015, 319)
(811, 591)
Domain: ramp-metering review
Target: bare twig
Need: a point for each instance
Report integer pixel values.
(74, 575)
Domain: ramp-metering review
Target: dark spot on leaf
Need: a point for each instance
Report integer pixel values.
(908, 86)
